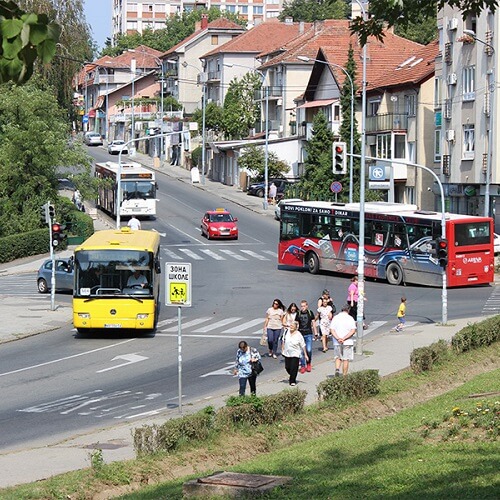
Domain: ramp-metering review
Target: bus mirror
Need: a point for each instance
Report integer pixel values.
(157, 267)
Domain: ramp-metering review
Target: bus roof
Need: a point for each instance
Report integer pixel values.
(374, 207)
(123, 239)
(128, 167)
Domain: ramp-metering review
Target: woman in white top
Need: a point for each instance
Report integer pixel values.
(292, 348)
(273, 326)
(325, 315)
(290, 316)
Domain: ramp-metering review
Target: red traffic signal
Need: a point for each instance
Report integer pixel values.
(57, 235)
(442, 251)
(339, 158)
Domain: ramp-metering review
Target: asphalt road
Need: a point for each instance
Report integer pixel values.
(59, 383)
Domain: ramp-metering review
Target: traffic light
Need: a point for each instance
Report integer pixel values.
(52, 211)
(57, 234)
(339, 158)
(442, 251)
(44, 214)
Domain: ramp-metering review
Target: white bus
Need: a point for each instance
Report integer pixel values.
(138, 186)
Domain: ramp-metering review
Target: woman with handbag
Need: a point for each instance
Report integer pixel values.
(292, 347)
(273, 326)
(245, 356)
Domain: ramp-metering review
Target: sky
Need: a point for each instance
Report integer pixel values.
(98, 14)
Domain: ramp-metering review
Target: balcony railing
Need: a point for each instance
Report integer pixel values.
(273, 92)
(272, 124)
(388, 121)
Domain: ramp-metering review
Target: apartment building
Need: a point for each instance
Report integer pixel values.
(135, 16)
(466, 134)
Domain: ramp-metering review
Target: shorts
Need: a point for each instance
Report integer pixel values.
(343, 352)
(402, 320)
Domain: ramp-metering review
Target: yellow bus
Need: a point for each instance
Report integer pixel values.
(117, 281)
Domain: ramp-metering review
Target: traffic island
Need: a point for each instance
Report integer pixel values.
(233, 485)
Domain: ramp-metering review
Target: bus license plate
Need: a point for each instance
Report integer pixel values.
(112, 325)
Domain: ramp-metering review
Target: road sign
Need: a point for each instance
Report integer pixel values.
(178, 284)
(384, 185)
(85, 118)
(377, 173)
(336, 187)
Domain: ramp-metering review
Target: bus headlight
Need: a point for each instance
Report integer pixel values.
(142, 316)
(84, 315)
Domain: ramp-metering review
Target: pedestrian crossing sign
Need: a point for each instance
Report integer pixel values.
(178, 286)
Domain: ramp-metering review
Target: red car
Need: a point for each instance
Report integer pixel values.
(219, 223)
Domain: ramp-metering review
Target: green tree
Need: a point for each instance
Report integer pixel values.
(241, 111)
(318, 176)
(213, 117)
(309, 11)
(422, 29)
(253, 161)
(33, 145)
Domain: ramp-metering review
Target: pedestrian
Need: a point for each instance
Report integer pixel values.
(401, 315)
(245, 355)
(134, 223)
(307, 327)
(326, 294)
(293, 347)
(324, 318)
(290, 316)
(273, 326)
(353, 297)
(343, 328)
(273, 191)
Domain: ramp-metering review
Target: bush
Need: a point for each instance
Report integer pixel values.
(477, 335)
(423, 358)
(21, 245)
(169, 436)
(353, 387)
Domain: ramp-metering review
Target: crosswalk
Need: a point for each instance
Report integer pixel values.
(21, 285)
(492, 305)
(237, 326)
(195, 254)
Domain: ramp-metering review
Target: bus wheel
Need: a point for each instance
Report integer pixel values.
(394, 274)
(312, 263)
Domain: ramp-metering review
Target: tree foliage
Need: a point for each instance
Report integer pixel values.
(253, 161)
(314, 10)
(177, 28)
(25, 38)
(33, 144)
(383, 13)
(421, 29)
(241, 110)
(213, 117)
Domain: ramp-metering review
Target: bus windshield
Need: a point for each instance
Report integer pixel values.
(113, 273)
(138, 189)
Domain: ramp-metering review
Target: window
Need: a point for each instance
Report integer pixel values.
(410, 194)
(437, 145)
(243, 9)
(400, 146)
(231, 8)
(373, 106)
(132, 7)
(272, 14)
(384, 146)
(131, 25)
(411, 104)
(159, 7)
(468, 148)
(215, 39)
(258, 9)
(336, 112)
(437, 93)
(468, 76)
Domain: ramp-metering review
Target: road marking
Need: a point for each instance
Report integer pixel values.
(66, 358)
(255, 255)
(171, 254)
(373, 326)
(212, 254)
(233, 254)
(244, 326)
(271, 253)
(228, 370)
(193, 322)
(129, 360)
(166, 322)
(218, 324)
(191, 254)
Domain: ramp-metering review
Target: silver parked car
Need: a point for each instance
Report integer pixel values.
(115, 147)
(64, 275)
(92, 139)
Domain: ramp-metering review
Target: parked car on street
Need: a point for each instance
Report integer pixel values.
(219, 223)
(257, 188)
(64, 275)
(115, 147)
(92, 139)
(277, 208)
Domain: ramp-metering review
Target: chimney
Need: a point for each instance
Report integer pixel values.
(301, 27)
(204, 21)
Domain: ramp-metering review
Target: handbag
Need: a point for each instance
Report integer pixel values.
(263, 339)
(257, 367)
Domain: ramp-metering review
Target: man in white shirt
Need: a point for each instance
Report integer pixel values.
(134, 223)
(343, 328)
(137, 279)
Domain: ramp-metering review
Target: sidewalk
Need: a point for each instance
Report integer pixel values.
(387, 352)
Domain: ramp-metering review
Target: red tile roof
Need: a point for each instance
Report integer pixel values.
(220, 24)
(264, 37)
(333, 37)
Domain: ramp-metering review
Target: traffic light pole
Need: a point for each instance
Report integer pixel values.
(53, 274)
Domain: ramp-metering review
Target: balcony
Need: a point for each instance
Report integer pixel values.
(273, 92)
(274, 125)
(387, 122)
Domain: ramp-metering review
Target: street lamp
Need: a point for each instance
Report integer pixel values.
(307, 59)
(265, 203)
(490, 132)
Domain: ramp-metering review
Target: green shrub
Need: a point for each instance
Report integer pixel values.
(423, 358)
(477, 335)
(21, 245)
(353, 387)
(169, 436)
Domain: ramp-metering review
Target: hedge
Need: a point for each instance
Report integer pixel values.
(353, 387)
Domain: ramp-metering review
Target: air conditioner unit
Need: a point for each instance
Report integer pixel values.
(452, 79)
(450, 135)
(453, 23)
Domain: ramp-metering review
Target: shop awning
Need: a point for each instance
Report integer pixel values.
(318, 104)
